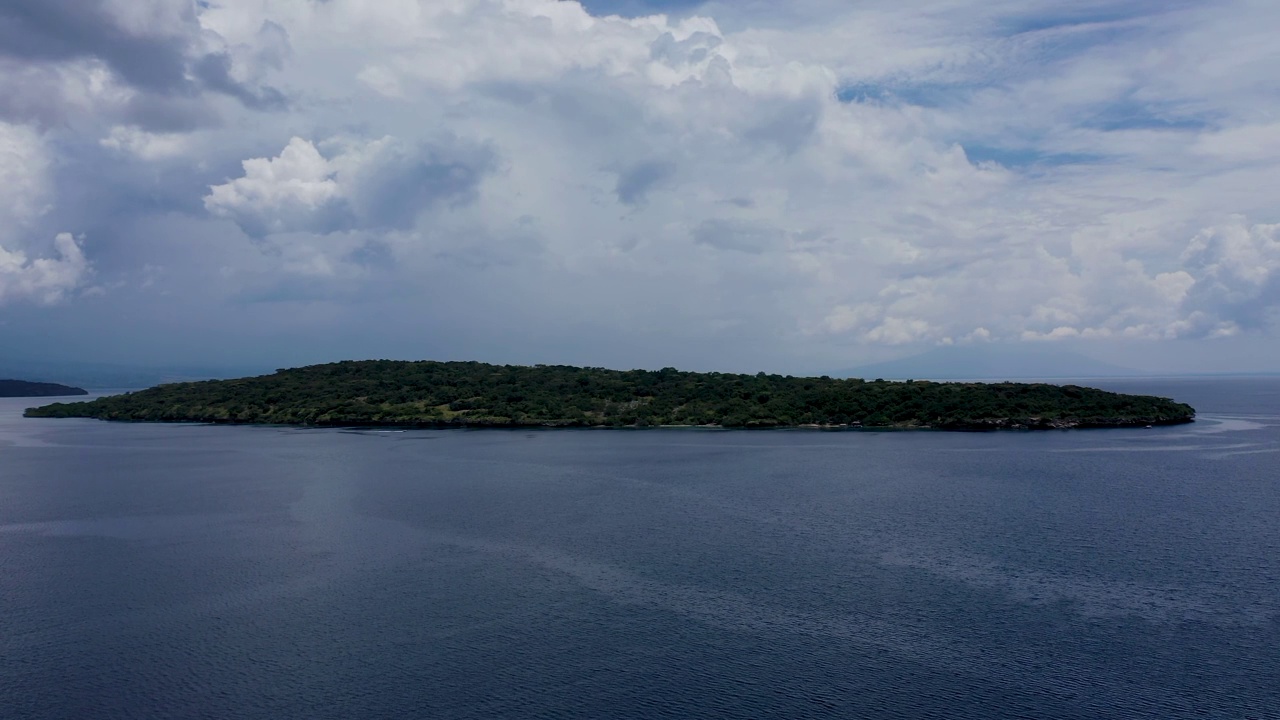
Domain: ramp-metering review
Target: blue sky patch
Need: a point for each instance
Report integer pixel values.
(1016, 158)
(1096, 13)
(1135, 115)
(634, 8)
(922, 94)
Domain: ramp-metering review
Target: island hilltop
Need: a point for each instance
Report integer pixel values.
(22, 388)
(471, 394)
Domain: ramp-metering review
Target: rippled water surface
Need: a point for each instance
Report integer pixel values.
(235, 572)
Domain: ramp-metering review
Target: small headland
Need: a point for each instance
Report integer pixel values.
(24, 388)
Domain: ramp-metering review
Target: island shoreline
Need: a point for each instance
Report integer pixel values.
(1000, 425)
(428, 394)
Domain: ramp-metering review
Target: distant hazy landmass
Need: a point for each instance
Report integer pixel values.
(106, 375)
(472, 394)
(23, 388)
(992, 361)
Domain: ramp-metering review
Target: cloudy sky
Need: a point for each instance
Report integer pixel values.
(744, 185)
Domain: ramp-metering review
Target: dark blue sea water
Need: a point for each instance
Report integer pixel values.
(234, 572)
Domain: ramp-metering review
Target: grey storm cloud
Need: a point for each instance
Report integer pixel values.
(214, 72)
(693, 49)
(788, 126)
(67, 29)
(738, 235)
(160, 61)
(635, 182)
(403, 181)
(167, 113)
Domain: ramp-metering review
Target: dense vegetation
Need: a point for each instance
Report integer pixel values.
(382, 392)
(22, 388)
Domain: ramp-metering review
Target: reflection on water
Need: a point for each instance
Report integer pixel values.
(184, 571)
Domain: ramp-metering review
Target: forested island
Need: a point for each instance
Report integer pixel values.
(23, 388)
(472, 394)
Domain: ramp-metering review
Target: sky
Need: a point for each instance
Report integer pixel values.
(790, 187)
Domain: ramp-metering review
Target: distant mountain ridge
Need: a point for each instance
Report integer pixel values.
(105, 375)
(1041, 361)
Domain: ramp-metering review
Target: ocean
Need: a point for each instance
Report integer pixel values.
(188, 571)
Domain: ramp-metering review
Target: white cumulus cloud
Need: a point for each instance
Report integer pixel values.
(43, 279)
(25, 195)
(280, 193)
(808, 183)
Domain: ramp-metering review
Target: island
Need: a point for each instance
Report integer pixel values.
(23, 388)
(473, 394)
